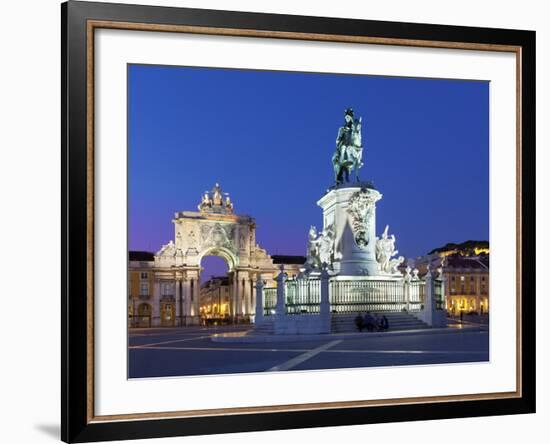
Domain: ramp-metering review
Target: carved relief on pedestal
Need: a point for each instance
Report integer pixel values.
(361, 210)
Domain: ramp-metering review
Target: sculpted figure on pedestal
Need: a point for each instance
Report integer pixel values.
(320, 247)
(395, 263)
(312, 247)
(349, 150)
(385, 251)
(228, 203)
(217, 195)
(326, 246)
(205, 201)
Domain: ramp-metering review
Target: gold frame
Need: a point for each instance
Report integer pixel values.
(92, 25)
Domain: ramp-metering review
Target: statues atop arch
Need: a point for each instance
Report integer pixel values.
(216, 201)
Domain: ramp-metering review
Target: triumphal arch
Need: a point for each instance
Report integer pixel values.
(213, 230)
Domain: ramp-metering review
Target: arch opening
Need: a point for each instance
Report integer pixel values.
(223, 253)
(216, 289)
(144, 312)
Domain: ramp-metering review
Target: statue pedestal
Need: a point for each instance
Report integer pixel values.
(350, 211)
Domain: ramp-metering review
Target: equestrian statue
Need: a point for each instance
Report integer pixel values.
(349, 150)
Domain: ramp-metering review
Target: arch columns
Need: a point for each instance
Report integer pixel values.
(187, 300)
(188, 304)
(247, 295)
(242, 297)
(238, 296)
(193, 279)
(243, 281)
(250, 285)
(178, 296)
(155, 305)
(232, 293)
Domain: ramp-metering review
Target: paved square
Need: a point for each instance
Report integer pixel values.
(190, 351)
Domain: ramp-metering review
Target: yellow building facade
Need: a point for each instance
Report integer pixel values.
(467, 291)
(140, 289)
(154, 299)
(466, 280)
(216, 293)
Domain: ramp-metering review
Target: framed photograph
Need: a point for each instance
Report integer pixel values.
(275, 221)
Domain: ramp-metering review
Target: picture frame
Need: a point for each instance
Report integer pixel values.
(80, 22)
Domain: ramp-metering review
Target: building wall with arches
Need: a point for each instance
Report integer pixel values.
(170, 279)
(466, 281)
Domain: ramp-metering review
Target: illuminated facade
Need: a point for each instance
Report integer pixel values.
(150, 292)
(164, 289)
(467, 280)
(215, 298)
(140, 286)
(467, 284)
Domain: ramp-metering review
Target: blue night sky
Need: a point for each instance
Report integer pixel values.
(268, 137)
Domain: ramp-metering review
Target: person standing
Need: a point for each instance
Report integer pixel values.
(369, 321)
(384, 323)
(376, 322)
(359, 322)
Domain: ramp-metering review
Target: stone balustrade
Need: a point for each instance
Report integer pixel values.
(304, 296)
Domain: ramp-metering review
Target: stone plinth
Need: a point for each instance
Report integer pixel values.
(349, 212)
(302, 324)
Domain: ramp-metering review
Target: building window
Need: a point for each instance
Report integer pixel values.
(143, 275)
(144, 289)
(167, 289)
